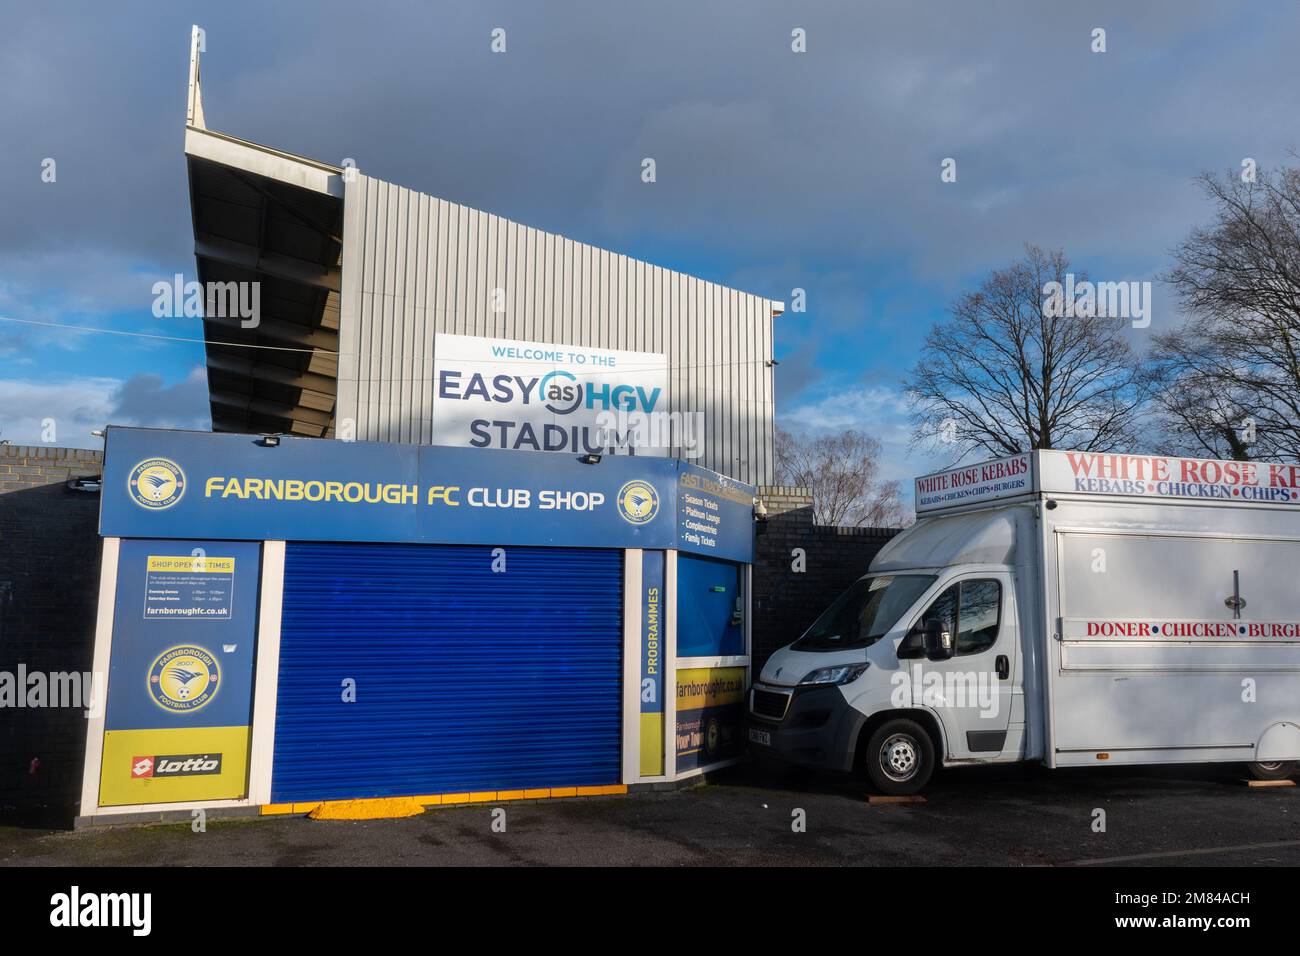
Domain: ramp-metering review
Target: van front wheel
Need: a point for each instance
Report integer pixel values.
(1274, 770)
(900, 757)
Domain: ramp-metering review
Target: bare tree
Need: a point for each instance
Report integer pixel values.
(1005, 374)
(843, 471)
(1233, 371)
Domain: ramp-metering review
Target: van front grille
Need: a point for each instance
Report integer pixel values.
(769, 704)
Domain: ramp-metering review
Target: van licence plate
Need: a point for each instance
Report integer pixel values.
(763, 737)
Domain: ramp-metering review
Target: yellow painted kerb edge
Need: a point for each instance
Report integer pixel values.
(451, 799)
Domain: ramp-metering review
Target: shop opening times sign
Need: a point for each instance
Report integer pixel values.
(189, 586)
(1088, 473)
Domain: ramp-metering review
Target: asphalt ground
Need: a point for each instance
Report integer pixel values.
(1011, 816)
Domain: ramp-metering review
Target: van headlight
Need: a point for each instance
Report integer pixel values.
(840, 674)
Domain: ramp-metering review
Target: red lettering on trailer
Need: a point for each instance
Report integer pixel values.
(1284, 476)
(1126, 467)
(932, 484)
(1231, 473)
(1119, 629)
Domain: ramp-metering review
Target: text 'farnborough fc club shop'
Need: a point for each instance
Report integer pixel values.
(289, 621)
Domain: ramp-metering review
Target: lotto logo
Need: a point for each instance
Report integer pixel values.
(175, 765)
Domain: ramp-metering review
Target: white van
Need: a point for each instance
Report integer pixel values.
(1073, 608)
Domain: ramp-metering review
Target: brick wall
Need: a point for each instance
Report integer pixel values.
(778, 499)
(49, 585)
(786, 601)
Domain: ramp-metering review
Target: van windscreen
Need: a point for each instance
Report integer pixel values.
(865, 612)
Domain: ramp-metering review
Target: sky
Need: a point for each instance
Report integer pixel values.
(776, 170)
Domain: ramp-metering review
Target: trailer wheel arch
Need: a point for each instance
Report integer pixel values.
(1279, 743)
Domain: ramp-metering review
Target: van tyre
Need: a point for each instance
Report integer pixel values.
(900, 758)
(1275, 770)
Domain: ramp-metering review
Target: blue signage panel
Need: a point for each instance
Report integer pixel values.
(715, 514)
(183, 629)
(180, 679)
(161, 483)
(652, 663)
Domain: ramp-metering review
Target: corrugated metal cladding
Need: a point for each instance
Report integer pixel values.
(414, 265)
(466, 679)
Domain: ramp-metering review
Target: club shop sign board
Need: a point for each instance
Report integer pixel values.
(533, 396)
(161, 484)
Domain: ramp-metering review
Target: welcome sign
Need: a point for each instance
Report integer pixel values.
(532, 396)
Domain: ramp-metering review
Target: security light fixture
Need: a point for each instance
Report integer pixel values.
(90, 484)
(269, 441)
(589, 459)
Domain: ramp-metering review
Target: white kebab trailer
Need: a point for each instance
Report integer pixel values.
(1072, 608)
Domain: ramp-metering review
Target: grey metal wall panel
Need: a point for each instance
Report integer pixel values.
(414, 265)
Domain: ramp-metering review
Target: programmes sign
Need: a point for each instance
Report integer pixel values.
(652, 672)
(532, 396)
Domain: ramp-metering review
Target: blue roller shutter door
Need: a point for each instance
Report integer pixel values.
(465, 679)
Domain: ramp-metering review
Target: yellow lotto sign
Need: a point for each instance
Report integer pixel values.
(174, 765)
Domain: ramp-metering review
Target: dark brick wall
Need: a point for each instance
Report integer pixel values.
(786, 602)
(49, 586)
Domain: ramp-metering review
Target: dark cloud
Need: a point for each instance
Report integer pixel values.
(796, 372)
(147, 400)
(828, 160)
(65, 411)
(755, 145)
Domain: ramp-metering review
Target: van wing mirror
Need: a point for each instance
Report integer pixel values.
(938, 640)
(912, 645)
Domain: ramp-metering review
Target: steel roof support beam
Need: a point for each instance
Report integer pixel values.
(263, 406)
(272, 373)
(272, 264)
(290, 333)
